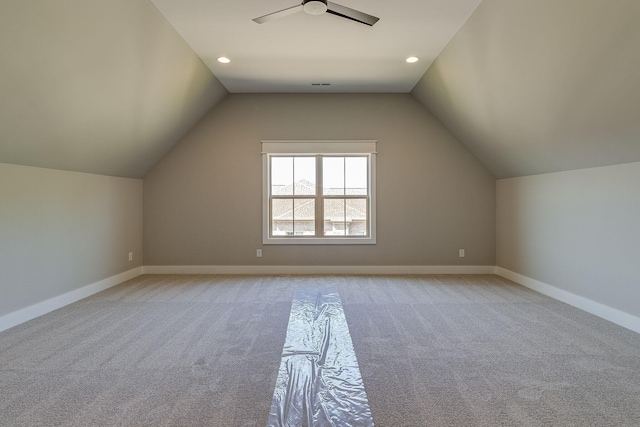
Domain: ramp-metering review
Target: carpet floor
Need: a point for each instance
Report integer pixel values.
(199, 350)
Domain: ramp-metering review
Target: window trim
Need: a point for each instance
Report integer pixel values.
(327, 148)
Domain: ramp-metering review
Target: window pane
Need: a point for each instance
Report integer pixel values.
(282, 217)
(304, 170)
(356, 176)
(333, 175)
(334, 217)
(304, 223)
(282, 176)
(356, 220)
(293, 217)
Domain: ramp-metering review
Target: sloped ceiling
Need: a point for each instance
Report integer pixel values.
(529, 87)
(541, 86)
(106, 87)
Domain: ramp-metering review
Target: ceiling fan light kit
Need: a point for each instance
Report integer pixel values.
(319, 7)
(315, 7)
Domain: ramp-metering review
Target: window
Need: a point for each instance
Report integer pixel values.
(318, 192)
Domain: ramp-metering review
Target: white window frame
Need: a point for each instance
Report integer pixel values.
(326, 148)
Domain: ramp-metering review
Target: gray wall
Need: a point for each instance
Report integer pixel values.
(203, 201)
(60, 231)
(576, 230)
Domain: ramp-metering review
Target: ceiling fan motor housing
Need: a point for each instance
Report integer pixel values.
(315, 7)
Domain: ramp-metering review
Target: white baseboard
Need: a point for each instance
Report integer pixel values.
(31, 312)
(318, 269)
(614, 315)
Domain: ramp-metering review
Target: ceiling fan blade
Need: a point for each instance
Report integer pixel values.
(279, 14)
(354, 15)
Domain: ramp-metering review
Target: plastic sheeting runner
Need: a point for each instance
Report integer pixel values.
(319, 382)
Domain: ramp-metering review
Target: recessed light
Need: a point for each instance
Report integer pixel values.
(224, 60)
(412, 59)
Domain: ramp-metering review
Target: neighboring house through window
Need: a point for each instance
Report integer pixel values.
(319, 192)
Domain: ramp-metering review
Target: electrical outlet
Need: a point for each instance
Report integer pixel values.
(259, 253)
(130, 256)
(461, 253)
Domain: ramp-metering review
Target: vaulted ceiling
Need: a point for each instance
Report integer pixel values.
(529, 87)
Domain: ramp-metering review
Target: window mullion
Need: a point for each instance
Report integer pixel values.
(319, 202)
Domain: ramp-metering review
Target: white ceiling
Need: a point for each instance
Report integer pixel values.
(291, 53)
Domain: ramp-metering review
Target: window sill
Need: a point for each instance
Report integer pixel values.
(319, 241)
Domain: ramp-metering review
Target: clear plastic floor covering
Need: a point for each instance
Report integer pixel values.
(319, 382)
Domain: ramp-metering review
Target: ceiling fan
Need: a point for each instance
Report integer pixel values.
(318, 7)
